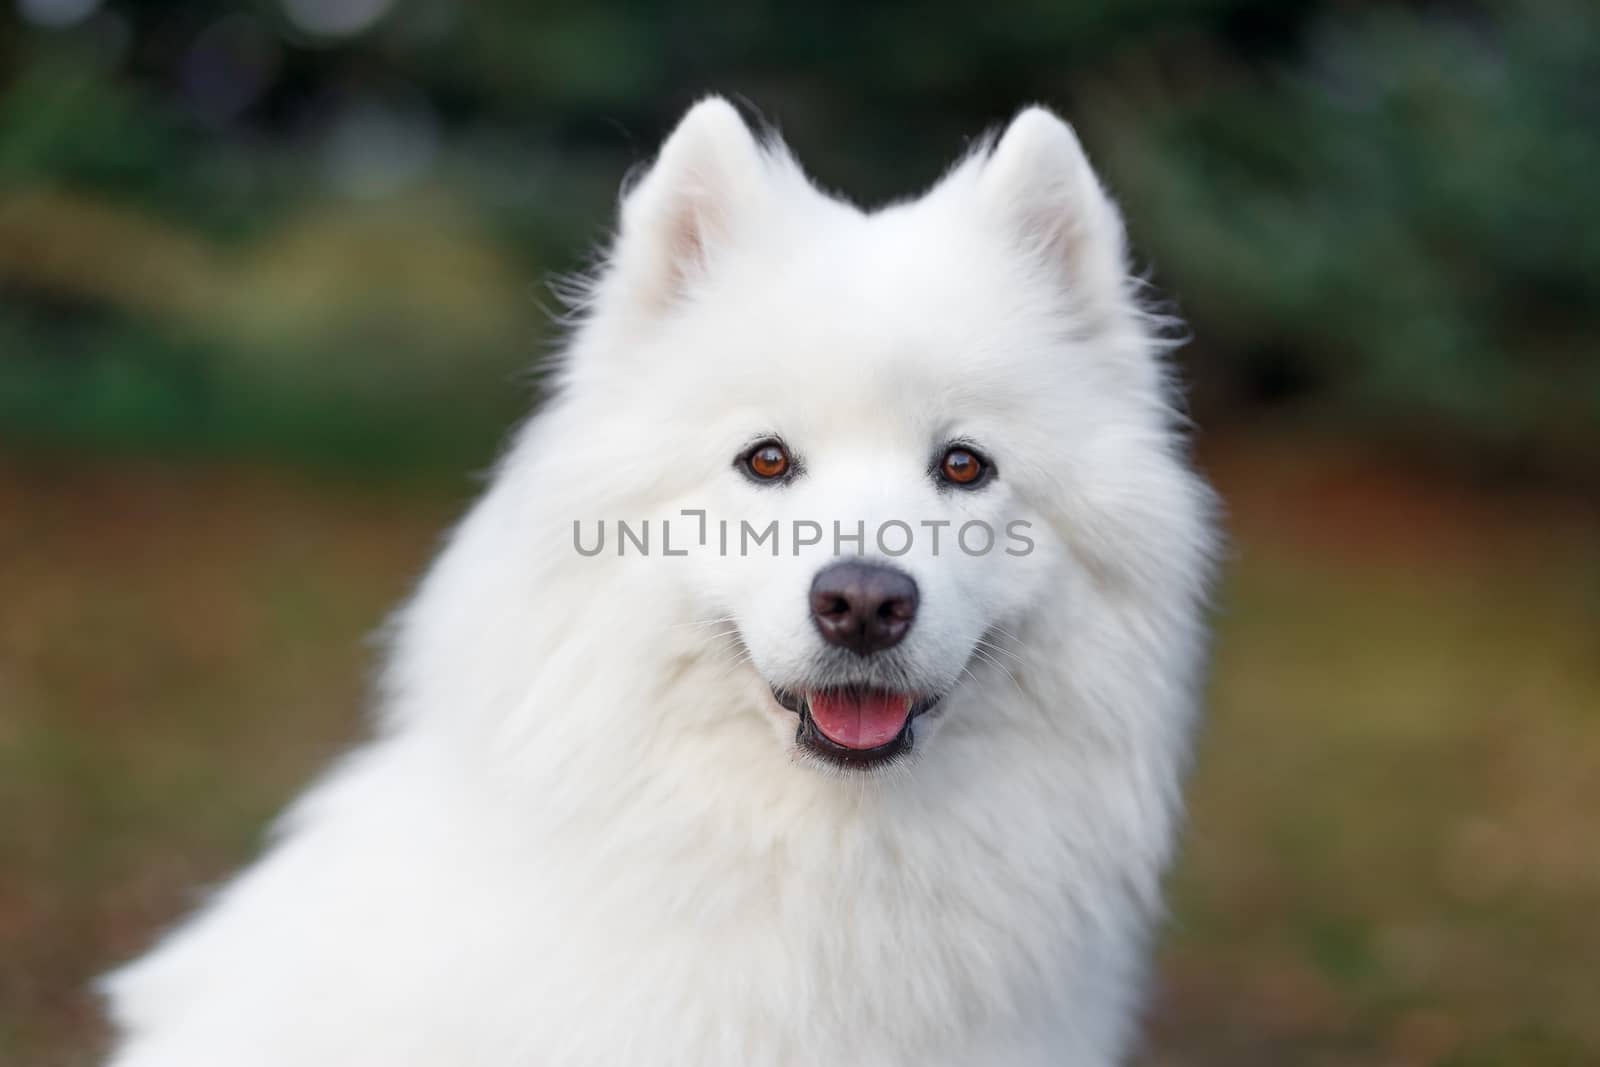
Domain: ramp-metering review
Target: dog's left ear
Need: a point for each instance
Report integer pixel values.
(1038, 185)
(703, 187)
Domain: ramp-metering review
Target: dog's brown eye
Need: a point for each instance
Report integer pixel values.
(961, 467)
(768, 462)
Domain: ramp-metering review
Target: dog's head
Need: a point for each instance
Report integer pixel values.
(890, 441)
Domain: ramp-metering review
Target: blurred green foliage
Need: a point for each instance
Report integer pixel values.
(223, 228)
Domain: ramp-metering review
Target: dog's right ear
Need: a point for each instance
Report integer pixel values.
(688, 208)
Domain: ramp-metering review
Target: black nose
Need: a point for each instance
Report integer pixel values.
(862, 606)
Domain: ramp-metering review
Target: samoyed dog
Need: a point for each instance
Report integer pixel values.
(813, 683)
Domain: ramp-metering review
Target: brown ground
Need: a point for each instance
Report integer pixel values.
(1392, 858)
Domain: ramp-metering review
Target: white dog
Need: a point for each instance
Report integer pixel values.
(718, 735)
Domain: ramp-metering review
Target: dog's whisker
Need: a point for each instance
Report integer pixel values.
(1010, 635)
(696, 624)
(991, 646)
(1001, 667)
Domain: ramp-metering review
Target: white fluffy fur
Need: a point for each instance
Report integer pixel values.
(582, 835)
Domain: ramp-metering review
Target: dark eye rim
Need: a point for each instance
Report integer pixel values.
(986, 472)
(742, 462)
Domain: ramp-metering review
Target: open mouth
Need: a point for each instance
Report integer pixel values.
(855, 726)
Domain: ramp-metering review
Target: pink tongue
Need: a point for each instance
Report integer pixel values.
(859, 720)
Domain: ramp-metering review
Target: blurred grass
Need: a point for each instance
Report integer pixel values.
(384, 337)
(1392, 858)
(223, 234)
(1391, 861)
